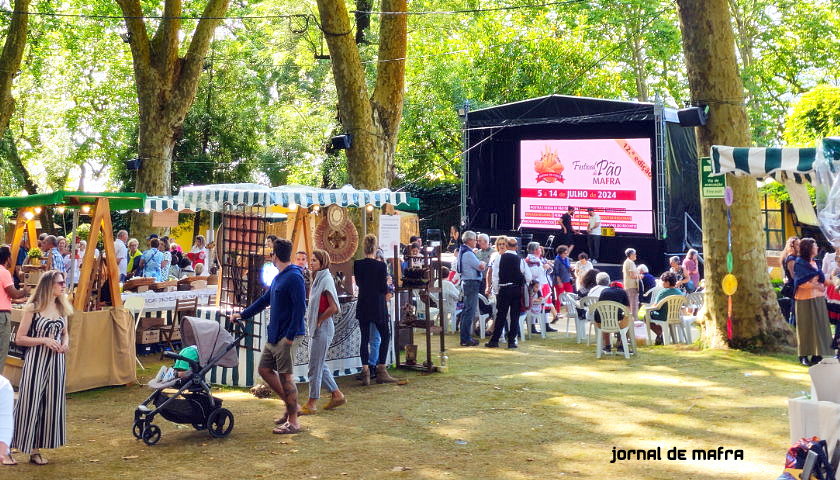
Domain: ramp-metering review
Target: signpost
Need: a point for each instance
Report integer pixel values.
(710, 187)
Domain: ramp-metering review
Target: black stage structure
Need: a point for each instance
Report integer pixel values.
(490, 172)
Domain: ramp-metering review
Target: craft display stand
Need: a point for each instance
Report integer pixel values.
(432, 287)
(242, 257)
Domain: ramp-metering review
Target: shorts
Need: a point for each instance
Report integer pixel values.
(280, 356)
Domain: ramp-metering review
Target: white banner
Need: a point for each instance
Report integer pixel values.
(389, 234)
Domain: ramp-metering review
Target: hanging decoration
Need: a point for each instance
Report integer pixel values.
(729, 282)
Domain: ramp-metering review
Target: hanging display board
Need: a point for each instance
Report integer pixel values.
(165, 219)
(389, 233)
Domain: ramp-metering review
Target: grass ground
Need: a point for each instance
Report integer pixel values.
(545, 410)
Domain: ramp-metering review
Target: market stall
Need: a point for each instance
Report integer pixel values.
(817, 414)
(101, 331)
(315, 218)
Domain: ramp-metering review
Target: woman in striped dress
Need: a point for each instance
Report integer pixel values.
(40, 413)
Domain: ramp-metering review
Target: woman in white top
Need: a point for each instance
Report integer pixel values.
(492, 273)
(7, 421)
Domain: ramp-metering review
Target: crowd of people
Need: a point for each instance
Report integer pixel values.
(536, 282)
(162, 259)
(815, 291)
(530, 282)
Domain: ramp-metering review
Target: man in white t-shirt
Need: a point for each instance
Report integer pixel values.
(121, 251)
(593, 238)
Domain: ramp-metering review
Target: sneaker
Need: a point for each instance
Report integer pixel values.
(491, 345)
(471, 343)
(548, 329)
(607, 349)
(512, 345)
(534, 330)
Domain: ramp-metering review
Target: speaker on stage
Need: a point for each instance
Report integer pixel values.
(693, 116)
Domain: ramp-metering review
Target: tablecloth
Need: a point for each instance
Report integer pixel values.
(156, 301)
(342, 355)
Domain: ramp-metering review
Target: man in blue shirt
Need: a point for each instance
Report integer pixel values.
(286, 327)
(470, 269)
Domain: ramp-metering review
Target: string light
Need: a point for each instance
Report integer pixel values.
(28, 215)
(85, 208)
(37, 210)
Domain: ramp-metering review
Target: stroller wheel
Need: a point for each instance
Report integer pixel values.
(137, 429)
(220, 422)
(151, 435)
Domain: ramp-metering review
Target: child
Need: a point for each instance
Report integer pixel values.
(180, 369)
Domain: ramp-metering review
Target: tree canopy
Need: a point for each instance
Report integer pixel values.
(266, 101)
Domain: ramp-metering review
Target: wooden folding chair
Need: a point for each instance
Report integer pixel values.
(183, 307)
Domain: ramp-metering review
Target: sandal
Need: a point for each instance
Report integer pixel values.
(37, 459)
(8, 460)
(287, 429)
(334, 403)
(285, 418)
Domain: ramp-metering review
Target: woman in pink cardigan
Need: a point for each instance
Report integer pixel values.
(691, 269)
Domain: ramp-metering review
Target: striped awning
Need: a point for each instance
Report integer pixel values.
(796, 163)
(159, 204)
(215, 197)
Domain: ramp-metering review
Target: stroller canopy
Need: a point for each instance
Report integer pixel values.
(211, 339)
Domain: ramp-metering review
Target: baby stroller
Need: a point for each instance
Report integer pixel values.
(188, 400)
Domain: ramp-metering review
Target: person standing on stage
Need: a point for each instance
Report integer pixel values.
(567, 231)
(593, 239)
(513, 276)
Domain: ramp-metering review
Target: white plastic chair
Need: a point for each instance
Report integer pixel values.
(586, 303)
(570, 309)
(534, 318)
(673, 320)
(608, 313)
(482, 317)
(694, 302)
(135, 306)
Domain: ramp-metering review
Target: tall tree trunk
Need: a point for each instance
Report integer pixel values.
(372, 120)
(166, 88)
(10, 59)
(713, 79)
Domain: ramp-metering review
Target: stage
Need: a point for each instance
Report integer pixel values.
(633, 163)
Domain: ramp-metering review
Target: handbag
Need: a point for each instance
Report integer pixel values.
(798, 453)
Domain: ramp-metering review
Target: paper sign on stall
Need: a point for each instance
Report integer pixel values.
(389, 233)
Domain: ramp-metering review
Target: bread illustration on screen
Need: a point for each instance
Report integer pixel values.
(549, 168)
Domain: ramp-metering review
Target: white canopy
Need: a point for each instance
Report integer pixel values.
(214, 197)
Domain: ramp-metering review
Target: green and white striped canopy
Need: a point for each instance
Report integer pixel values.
(761, 162)
(215, 197)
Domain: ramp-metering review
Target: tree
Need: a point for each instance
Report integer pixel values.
(713, 79)
(10, 60)
(373, 120)
(166, 86)
(816, 115)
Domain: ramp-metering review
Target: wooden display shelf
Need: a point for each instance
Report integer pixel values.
(404, 334)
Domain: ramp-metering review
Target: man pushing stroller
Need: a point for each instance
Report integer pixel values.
(286, 328)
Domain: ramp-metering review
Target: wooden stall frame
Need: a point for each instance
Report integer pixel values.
(20, 225)
(101, 223)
